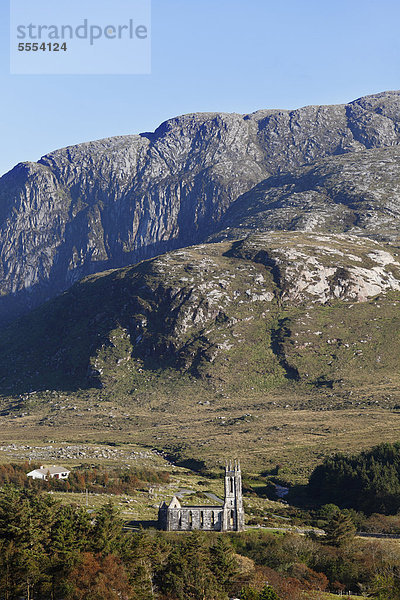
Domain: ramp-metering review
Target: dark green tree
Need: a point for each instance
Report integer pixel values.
(26, 518)
(268, 593)
(339, 530)
(223, 562)
(368, 482)
(143, 555)
(9, 569)
(249, 593)
(107, 531)
(187, 574)
(69, 537)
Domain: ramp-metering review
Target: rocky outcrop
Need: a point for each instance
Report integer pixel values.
(109, 203)
(323, 268)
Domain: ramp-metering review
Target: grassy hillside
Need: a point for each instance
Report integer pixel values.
(274, 312)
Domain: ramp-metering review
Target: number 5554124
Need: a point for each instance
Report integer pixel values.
(35, 46)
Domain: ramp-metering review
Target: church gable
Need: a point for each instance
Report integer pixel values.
(174, 503)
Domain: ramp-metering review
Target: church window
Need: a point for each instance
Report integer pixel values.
(231, 520)
(190, 519)
(201, 519)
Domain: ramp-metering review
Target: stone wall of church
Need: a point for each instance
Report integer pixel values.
(186, 518)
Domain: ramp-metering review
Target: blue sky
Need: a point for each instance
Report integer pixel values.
(208, 55)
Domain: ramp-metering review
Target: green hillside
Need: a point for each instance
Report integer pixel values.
(275, 310)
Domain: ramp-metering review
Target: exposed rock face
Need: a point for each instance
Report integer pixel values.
(357, 193)
(109, 203)
(321, 268)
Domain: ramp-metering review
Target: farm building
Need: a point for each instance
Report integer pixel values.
(53, 472)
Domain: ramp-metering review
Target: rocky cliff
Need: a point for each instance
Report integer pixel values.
(109, 203)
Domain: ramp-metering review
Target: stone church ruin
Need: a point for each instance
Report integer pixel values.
(228, 516)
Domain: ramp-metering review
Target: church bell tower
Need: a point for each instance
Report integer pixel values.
(233, 516)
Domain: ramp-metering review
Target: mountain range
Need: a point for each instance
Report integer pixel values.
(199, 177)
(222, 254)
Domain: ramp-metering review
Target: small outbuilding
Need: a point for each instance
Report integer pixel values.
(46, 473)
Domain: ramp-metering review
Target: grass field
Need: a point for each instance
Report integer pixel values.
(261, 436)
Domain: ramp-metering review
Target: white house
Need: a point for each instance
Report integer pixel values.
(49, 473)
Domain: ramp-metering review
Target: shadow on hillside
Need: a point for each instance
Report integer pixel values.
(19, 303)
(141, 524)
